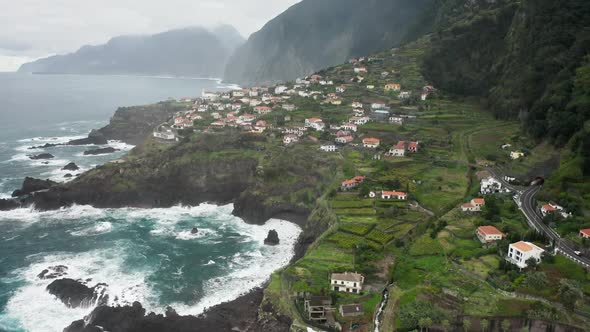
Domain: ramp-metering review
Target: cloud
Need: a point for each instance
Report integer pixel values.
(33, 28)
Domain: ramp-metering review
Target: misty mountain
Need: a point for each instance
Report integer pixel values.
(195, 52)
(315, 34)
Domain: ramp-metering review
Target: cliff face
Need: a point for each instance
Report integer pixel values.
(193, 52)
(133, 125)
(316, 34)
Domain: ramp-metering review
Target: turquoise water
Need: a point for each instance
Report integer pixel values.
(146, 255)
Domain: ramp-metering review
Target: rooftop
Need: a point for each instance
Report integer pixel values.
(490, 230)
(351, 308)
(348, 276)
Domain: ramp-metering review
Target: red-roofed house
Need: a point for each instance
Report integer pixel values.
(315, 123)
(371, 142)
(360, 70)
(344, 139)
(399, 195)
(341, 89)
(398, 150)
(473, 206)
(413, 147)
(489, 234)
(393, 87)
(290, 138)
(585, 233)
(352, 183)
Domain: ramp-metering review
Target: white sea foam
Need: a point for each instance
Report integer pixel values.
(97, 229)
(38, 311)
(122, 146)
(31, 215)
(54, 140)
(250, 270)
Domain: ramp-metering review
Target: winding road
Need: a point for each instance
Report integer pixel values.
(525, 199)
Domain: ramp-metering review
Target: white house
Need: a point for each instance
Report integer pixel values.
(262, 110)
(341, 89)
(552, 207)
(378, 106)
(489, 234)
(490, 185)
(359, 121)
(349, 126)
(398, 150)
(520, 252)
(328, 148)
(349, 282)
(360, 70)
(396, 120)
(315, 123)
(344, 139)
(585, 233)
(405, 95)
(280, 89)
(238, 93)
(371, 142)
(165, 133)
(209, 96)
(474, 205)
(399, 195)
(290, 138)
(516, 154)
(356, 104)
(289, 107)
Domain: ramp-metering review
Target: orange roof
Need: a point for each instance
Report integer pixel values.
(371, 140)
(468, 205)
(358, 178)
(479, 201)
(314, 120)
(523, 246)
(394, 193)
(348, 182)
(489, 230)
(400, 145)
(585, 231)
(548, 207)
(413, 145)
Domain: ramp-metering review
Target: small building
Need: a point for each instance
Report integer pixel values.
(520, 252)
(398, 150)
(474, 205)
(392, 87)
(349, 282)
(552, 207)
(399, 195)
(328, 148)
(344, 139)
(516, 155)
(317, 306)
(396, 120)
(349, 126)
(315, 123)
(262, 110)
(289, 107)
(356, 104)
(489, 234)
(165, 133)
(351, 310)
(290, 138)
(585, 233)
(404, 95)
(413, 147)
(360, 70)
(340, 89)
(371, 142)
(490, 185)
(280, 89)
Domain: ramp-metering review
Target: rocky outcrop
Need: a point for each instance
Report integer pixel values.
(95, 152)
(53, 272)
(195, 230)
(31, 185)
(237, 315)
(42, 156)
(95, 137)
(75, 294)
(272, 239)
(70, 167)
(254, 210)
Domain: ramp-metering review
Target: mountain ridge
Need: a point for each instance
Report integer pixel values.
(192, 51)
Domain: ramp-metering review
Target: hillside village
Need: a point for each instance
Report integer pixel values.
(420, 209)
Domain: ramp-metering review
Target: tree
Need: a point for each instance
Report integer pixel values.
(569, 293)
(536, 279)
(425, 323)
(485, 324)
(446, 325)
(531, 263)
(466, 324)
(505, 325)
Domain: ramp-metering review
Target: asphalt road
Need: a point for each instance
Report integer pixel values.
(525, 199)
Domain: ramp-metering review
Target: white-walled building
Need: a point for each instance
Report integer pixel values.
(474, 205)
(328, 148)
(489, 234)
(349, 282)
(490, 185)
(520, 252)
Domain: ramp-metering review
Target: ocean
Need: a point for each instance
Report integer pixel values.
(145, 255)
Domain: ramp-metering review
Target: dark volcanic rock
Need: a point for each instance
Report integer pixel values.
(53, 272)
(74, 294)
(68, 175)
(8, 204)
(100, 151)
(237, 315)
(46, 145)
(194, 230)
(71, 167)
(31, 185)
(42, 156)
(95, 137)
(272, 239)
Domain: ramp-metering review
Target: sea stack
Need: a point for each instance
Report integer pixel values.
(272, 239)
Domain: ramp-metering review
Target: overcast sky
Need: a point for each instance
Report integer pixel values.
(31, 29)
